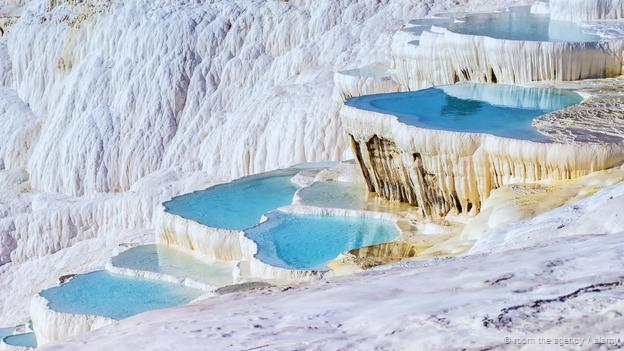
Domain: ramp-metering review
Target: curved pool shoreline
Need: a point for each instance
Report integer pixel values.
(500, 110)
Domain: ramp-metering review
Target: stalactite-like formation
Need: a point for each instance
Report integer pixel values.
(452, 172)
(460, 57)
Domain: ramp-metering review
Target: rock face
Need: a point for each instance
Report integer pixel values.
(452, 172)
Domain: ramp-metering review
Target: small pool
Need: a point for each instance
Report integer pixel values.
(520, 24)
(6, 332)
(501, 110)
(115, 296)
(334, 194)
(166, 260)
(310, 242)
(239, 204)
(25, 340)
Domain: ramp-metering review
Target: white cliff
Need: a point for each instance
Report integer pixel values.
(365, 80)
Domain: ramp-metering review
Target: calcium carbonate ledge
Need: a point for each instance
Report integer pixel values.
(191, 283)
(366, 80)
(462, 57)
(445, 172)
(207, 242)
(51, 326)
(6, 347)
(255, 267)
(232, 245)
(221, 244)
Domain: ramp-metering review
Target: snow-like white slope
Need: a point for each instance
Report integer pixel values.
(561, 290)
(147, 99)
(231, 88)
(25, 279)
(568, 285)
(600, 213)
(586, 10)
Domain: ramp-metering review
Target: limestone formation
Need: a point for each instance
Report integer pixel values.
(460, 58)
(445, 172)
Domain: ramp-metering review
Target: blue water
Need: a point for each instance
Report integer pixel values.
(314, 165)
(105, 294)
(520, 24)
(6, 332)
(166, 260)
(310, 242)
(25, 340)
(501, 110)
(239, 204)
(334, 195)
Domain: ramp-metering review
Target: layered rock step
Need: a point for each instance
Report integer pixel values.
(512, 47)
(545, 42)
(445, 149)
(20, 338)
(281, 227)
(254, 221)
(138, 279)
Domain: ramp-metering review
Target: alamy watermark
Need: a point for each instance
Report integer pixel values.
(589, 340)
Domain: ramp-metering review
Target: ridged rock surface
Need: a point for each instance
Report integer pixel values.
(490, 60)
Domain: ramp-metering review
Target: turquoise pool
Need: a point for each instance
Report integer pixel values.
(334, 195)
(310, 242)
(501, 110)
(166, 260)
(6, 332)
(110, 295)
(239, 204)
(26, 340)
(520, 24)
